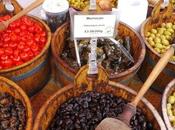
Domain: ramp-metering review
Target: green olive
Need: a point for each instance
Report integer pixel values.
(157, 49)
(168, 37)
(152, 43)
(162, 51)
(157, 40)
(162, 37)
(169, 112)
(170, 30)
(173, 58)
(167, 33)
(173, 27)
(165, 42)
(171, 100)
(152, 35)
(154, 31)
(163, 25)
(159, 45)
(161, 31)
(148, 34)
(169, 106)
(169, 25)
(158, 35)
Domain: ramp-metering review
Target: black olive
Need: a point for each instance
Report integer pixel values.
(88, 110)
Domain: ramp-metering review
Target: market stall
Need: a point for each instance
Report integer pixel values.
(70, 64)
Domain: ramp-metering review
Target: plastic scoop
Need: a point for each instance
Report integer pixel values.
(5, 24)
(123, 121)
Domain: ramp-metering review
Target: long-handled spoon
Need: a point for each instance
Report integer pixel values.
(5, 24)
(123, 120)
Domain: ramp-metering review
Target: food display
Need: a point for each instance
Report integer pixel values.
(81, 4)
(171, 108)
(109, 55)
(12, 113)
(88, 110)
(23, 40)
(161, 38)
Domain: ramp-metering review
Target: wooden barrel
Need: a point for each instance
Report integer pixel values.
(34, 74)
(14, 90)
(170, 88)
(48, 110)
(16, 5)
(152, 57)
(65, 74)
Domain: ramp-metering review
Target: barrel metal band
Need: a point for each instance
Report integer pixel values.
(167, 71)
(67, 77)
(29, 73)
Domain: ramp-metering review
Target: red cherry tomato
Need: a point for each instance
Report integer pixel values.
(26, 48)
(7, 63)
(13, 45)
(31, 55)
(4, 57)
(43, 34)
(1, 51)
(6, 39)
(42, 39)
(21, 45)
(37, 28)
(37, 37)
(16, 52)
(1, 43)
(23, 27)
(34, 48)
(24, 56)
(5, 45)
(16, 59)
(21, 41)
(19, 63)
(8, 51)
(30, 42)
(17, 30)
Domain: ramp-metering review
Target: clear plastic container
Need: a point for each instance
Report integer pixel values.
(55, 12)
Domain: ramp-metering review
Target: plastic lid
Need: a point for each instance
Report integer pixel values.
(55, 6)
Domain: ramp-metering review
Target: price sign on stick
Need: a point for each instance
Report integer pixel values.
(94, 26)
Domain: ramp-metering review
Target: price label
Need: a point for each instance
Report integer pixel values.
(94, 26)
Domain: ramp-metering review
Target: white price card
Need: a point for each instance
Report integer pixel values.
(94, 26)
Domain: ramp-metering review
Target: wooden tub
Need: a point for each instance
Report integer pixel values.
(7, 86)
(65, 74)
(152, 57)
(48, 110)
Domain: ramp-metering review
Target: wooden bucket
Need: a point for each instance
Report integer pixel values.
(34, 74)
(65, 74)
(16, 5)
(48, 110)
(13, 89)
(152, 57)
(168, 91)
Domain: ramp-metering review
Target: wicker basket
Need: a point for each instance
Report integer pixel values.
(13, 89)
(48, 110)
(152, 56)
(34, 74)
(168, 91)
(65, 73)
